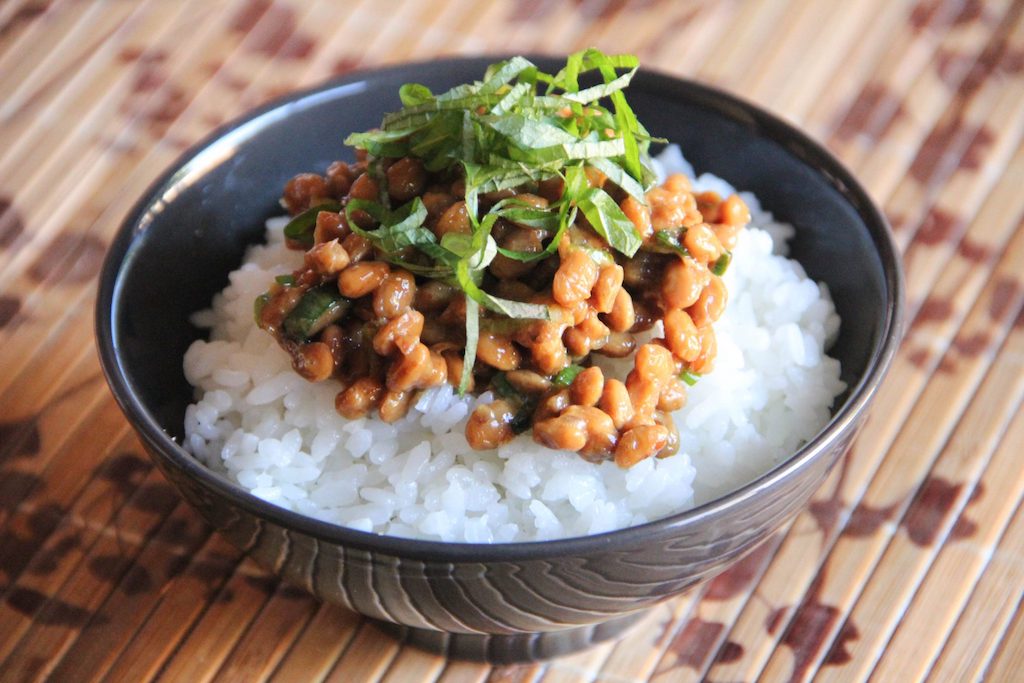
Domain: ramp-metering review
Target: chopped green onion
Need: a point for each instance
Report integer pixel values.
(317, 309)
(504, 388)
(301, 227)
(258, 305)
(523, 404)
(567, 375)
(689, 377)
(671, 240)
(285, 280)
(722, 264)
(523, 419)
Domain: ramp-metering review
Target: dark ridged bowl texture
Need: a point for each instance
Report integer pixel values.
(507, 602)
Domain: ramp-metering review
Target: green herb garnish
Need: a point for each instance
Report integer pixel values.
(317, 309)
(609, 221)
(397, 231)
(517, 126)
(258, 305)
(567, 375)
(472, 338)
(689, 377)
(502, 387)
(670, 239)
(285, 280)
(722, 264)
(523, 404)
(300, 228)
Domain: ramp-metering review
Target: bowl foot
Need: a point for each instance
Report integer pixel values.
(514, 648)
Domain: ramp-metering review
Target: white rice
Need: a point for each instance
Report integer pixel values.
(273, 433)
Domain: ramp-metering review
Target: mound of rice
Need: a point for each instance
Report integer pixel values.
(267, 429)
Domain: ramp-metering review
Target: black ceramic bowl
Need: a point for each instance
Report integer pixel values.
(500, 602)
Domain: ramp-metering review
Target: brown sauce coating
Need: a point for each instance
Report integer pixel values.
(386, 333)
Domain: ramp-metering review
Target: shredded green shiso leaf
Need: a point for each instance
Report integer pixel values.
(517, 126)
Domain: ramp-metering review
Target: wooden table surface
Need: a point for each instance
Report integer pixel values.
(908, 564)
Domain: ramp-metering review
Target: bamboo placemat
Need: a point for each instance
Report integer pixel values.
(908, 564)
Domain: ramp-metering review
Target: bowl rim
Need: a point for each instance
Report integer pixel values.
(807, 150)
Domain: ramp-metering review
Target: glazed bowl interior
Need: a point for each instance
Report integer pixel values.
(191, 229)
